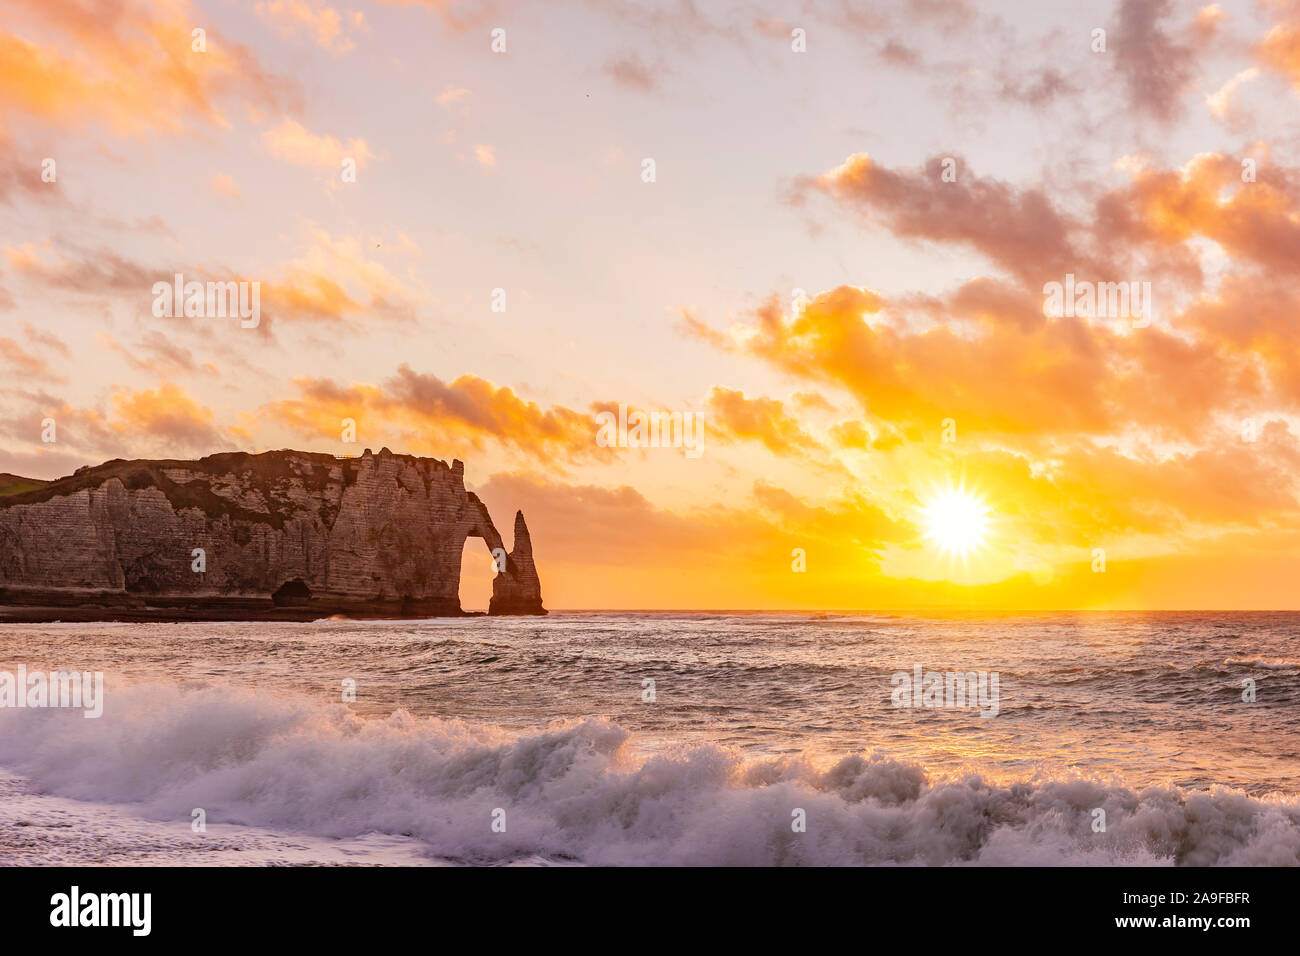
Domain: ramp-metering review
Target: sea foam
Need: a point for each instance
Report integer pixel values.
(584, 792)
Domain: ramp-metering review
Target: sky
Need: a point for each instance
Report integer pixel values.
(828, 228)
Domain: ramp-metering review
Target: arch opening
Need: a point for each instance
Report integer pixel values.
(477, 569)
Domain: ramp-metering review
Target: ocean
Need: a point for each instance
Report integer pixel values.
(662, 738)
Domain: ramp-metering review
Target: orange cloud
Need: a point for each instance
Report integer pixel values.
(338, 279)
(852, 434)
(1255, 316)
(451, 95)
(737, 418)
(224, 185)
(147, 421)
(167, 413)
(423, 412)
(1032, 375)
(20, 360)
(322, 23)
(294, 143)
(917, 359)
(131, 66)
(1255, 221)
(1279, 51)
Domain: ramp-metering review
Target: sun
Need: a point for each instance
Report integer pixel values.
(956, 521)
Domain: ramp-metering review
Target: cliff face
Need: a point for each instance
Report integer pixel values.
(380, 532)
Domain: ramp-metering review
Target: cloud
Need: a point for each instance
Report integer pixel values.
(898, 54)
(457, 15)
(20, 176)
(811, 402)
(854, 519)
(21, 362)
(852, 434)
(1280, 49)
(1143, 228)
(423, 412)
(223, 185)
(1055, 376)
(139, 422)
(1040, 89)
(46, 339)
(338, 279)
(1231, 482)
(1221, 102)
(629, 71)
(1019, 229)
(158, 355)
(126, 66)
(1255, 222)
(737, 418)
(322, 23)
(451, 95)
(1254, 316)
(1156, 69)
(84, 271)
(294, 143)
(167, 414)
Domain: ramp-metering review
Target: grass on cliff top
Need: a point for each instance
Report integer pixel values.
(17, 484)
(258, 471)
(261, 472)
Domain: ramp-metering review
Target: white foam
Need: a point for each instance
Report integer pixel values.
(1263, 664)
(582, 792)
(42, 830)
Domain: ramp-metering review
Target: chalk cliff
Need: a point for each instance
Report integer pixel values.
(285, 529)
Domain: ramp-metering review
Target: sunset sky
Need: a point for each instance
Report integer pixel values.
(1174, 447)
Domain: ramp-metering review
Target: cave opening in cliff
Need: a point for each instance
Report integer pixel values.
(476, 573)
(292, 593)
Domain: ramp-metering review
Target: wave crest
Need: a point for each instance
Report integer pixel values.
(581, 791)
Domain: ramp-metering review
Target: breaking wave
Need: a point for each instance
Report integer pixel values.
(1263, 665)
(581, 792)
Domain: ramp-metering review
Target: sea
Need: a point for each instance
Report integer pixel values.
(647, 739)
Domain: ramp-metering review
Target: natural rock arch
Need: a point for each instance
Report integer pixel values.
(372, 533)
(515, 589)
